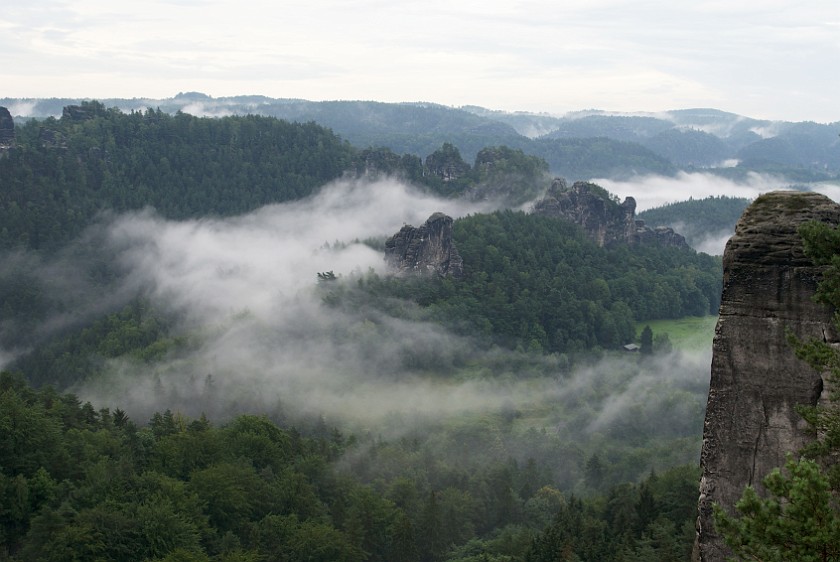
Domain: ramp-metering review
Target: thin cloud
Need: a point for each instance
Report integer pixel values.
(534, 56)
(655, 191)
(260, 338)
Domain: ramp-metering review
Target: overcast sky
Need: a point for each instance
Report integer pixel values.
(774, 59)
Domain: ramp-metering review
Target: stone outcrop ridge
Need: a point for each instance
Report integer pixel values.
(659, 235)
(78, 112)
(756, 380)
(7, 129)
(605, 220)
(427, 249)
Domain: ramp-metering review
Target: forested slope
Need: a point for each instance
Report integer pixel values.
(82, 483)
(539, 403)
(699, 219)
(540, 284)
(63, 172)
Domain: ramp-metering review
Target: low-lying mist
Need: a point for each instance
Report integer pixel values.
(655, 191)
(257, 337)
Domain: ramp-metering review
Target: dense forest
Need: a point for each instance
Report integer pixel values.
(539, 284)
(63, 172)
(578, 145)
(80, 483)
(699, 219)
(516, 427)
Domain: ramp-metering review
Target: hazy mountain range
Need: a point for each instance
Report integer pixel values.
(578, 145)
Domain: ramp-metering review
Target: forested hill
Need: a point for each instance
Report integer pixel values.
(540, 284)
(81, 483)
(532, 282)
(466, 415)
(62, 172)
(56, 175)
(699, 219)
(579, 145)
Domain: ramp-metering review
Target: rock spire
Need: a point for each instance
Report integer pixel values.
(756, 380)
(428, 248)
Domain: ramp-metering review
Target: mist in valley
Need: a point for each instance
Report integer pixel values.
(256, 335)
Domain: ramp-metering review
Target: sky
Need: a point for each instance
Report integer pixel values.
(768, 59)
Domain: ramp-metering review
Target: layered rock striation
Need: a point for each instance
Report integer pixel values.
(427, 249)
(756, 380)
(604, 219)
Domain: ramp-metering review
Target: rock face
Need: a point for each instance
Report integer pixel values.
(7, 129)
(78, 112)
(427, 249)
(756, 380)
(605, 220)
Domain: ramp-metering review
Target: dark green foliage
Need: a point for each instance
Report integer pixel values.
(175, 490)
(798, 518)
(582, 158)
(507, 174)
(63, 172)
(698, 219)
(540, 284)
(499, 173)
(137, 332)
(182, 489)
(647, 341)
(648, 521)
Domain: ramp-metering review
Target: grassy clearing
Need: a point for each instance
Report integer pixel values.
(693, 333)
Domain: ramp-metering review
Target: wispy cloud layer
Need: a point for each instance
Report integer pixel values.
(759, 59)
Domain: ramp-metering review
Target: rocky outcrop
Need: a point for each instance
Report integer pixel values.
(427, 249)
(756, 380)
(446, 163)
(605, 220)
(7, 129)
(659, 236)
(79, 112)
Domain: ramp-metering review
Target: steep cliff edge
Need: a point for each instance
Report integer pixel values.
(7, 129)
(756, 380)
(603, 218)
(425, 249)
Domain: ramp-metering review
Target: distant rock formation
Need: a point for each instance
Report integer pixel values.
(7, 129)
(756, 380)
(446, 163)
(427, 249)
(659, 235)
(79, 112)
(605, 220)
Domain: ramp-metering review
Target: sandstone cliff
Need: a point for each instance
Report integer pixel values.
(7, 129)
(605, 220)
(756, 380)
(427, 249)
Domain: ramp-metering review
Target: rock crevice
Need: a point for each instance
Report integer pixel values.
(756, 379)
(603, 218)
(427, 249)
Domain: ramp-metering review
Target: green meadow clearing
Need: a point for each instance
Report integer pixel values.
(692, 333)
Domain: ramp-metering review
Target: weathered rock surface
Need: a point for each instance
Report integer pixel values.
(427, 249)
(756, 380)
(7, 129)
(78, 112)
(605, 220)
